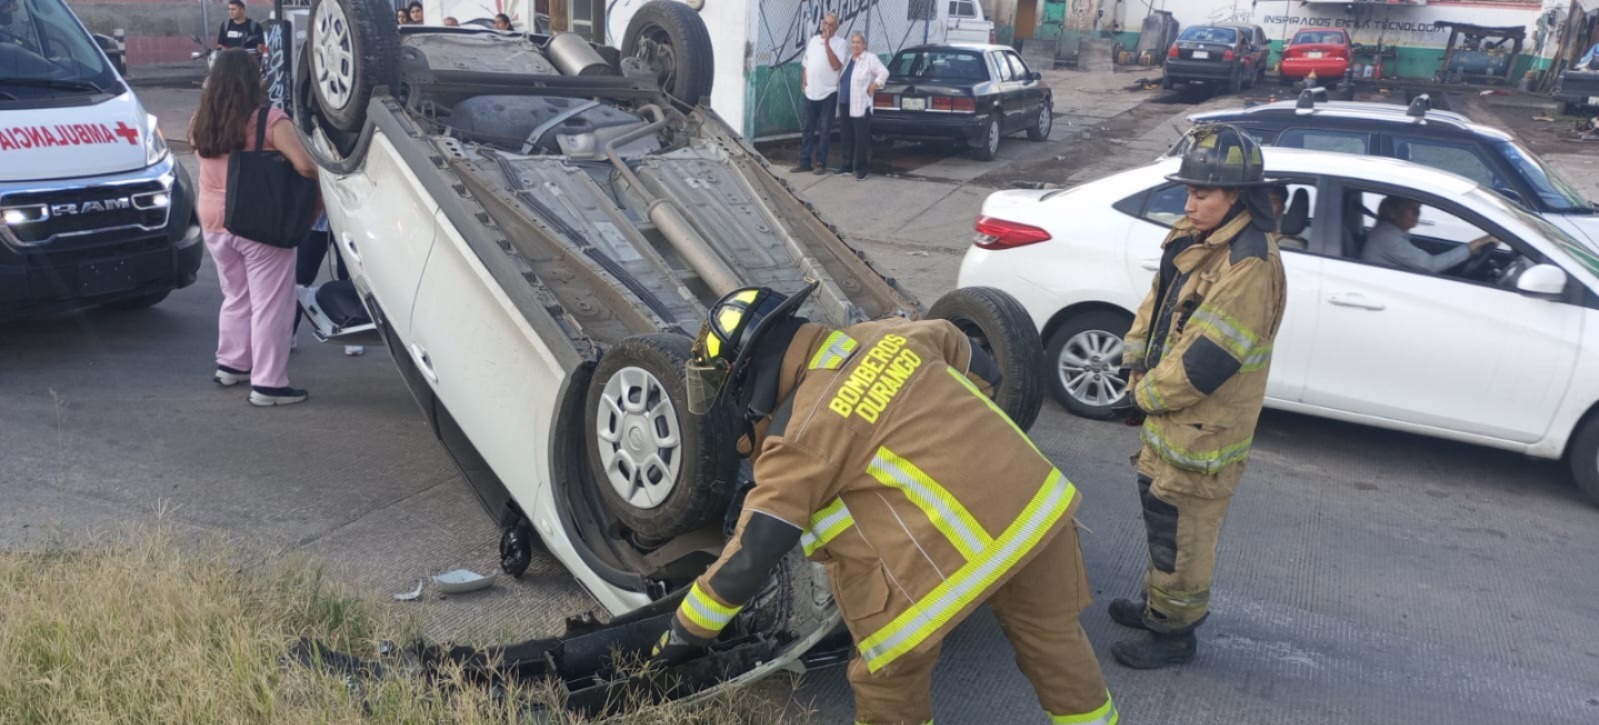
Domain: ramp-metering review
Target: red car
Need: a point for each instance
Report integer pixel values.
(1322, 50)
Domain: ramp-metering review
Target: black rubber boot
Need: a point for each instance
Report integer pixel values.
(1160, 650)
(1128, 613)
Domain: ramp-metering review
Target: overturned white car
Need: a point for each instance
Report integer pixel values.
(537, 226)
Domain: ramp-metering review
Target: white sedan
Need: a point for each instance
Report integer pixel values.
(1502, 351)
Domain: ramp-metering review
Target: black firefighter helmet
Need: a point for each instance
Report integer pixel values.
(1221, 156)
(730, 337)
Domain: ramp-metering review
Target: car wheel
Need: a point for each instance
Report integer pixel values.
(662, 471)
(1084, 356)
(1583, 458)
(672, 40)
(138, 303)
(353, 50)
(999, 325)
(1166, 83)
(990, 142)
(1044, 123)
(1236, 82)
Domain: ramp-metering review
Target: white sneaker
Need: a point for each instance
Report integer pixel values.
(228, 377)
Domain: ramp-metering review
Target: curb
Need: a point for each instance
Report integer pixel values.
(190, 82)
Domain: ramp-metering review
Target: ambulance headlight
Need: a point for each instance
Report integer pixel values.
(155, 144)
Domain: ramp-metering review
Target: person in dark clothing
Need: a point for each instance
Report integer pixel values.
(239, 31)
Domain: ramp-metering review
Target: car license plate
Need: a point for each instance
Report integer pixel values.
(1313, 54)
(913, 104)
(98, 278)
(1201, 55)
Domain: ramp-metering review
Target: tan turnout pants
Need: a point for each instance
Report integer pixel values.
(1183, 513)
(1037, 609)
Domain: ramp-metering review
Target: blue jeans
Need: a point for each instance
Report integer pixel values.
(817, 130)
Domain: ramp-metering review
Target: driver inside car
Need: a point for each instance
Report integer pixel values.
(1389, 242)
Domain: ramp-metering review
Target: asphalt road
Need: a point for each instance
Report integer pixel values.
(1364, 576)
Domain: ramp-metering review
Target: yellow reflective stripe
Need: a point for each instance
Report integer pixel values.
(834, 351)
(706, 612)
(1203, 461)
(747, 296)
(1133, 349)
(1105, 715)
(947, 513)
(1149, 398)
(1228, 331)
(994, 407)
(826, 525)
(933, 611)
(1258, 358)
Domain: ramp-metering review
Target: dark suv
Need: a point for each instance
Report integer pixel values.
(1232, 55)
(1416, 133)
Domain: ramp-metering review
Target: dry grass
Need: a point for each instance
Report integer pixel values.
(135, 631)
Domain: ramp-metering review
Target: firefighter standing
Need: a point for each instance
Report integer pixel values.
(1198, 355)
(878, 450)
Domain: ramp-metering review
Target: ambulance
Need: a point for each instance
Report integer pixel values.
(94, 209)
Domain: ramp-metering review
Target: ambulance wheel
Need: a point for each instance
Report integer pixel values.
(671, 39)
(353, 48)
(999, 324)
(662, 471)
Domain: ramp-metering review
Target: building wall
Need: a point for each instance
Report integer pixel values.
(158, 31)
(1413, 31)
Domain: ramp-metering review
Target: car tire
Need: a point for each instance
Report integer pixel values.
(1235, 83)
(1083, 337)
(999, 324)
(1042, 125)
(662, 471)
(138, 303)
(989, 149)
(353, 48)
(671, 38)
(1583, 457)
(1166, 83)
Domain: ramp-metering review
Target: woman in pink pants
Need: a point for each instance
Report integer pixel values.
(258, 308)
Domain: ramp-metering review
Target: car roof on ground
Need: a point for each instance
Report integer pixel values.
(1391, 113)
(1302, 162)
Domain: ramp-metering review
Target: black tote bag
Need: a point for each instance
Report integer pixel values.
(268, 201)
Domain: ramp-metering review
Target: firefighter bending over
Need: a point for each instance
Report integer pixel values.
(1198, 353)
(877, 449)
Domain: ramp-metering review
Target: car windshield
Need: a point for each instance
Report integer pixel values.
(1555, 193)
(1582, 251)
(1319, 37)
(45, 53)
(1210, 35)
(944, 65)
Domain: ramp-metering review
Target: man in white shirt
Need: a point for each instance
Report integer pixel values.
(1389, 242)
(824, 57)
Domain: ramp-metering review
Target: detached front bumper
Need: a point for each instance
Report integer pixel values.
(86, 268)
(965, 128)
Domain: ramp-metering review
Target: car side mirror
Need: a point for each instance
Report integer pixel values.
(1542, 280)
(1035, 76)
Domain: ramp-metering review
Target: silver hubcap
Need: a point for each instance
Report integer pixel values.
(333, 55)
(1045, 120)
(1089, 367)
(993, 136)
(640, 438)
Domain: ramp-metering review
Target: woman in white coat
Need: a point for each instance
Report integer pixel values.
(863, 74)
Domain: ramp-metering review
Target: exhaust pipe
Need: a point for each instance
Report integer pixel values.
(670, 220)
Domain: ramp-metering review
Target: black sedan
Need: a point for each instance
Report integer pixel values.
(1226, 55)
(965, 93)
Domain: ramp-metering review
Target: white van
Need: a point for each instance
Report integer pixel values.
(94, 210)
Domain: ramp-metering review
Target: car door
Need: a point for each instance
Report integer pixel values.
(1025, 97)
(383, 221)
(489, 368)
(1291, 353)
(1438, 351)
(1004, 87)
